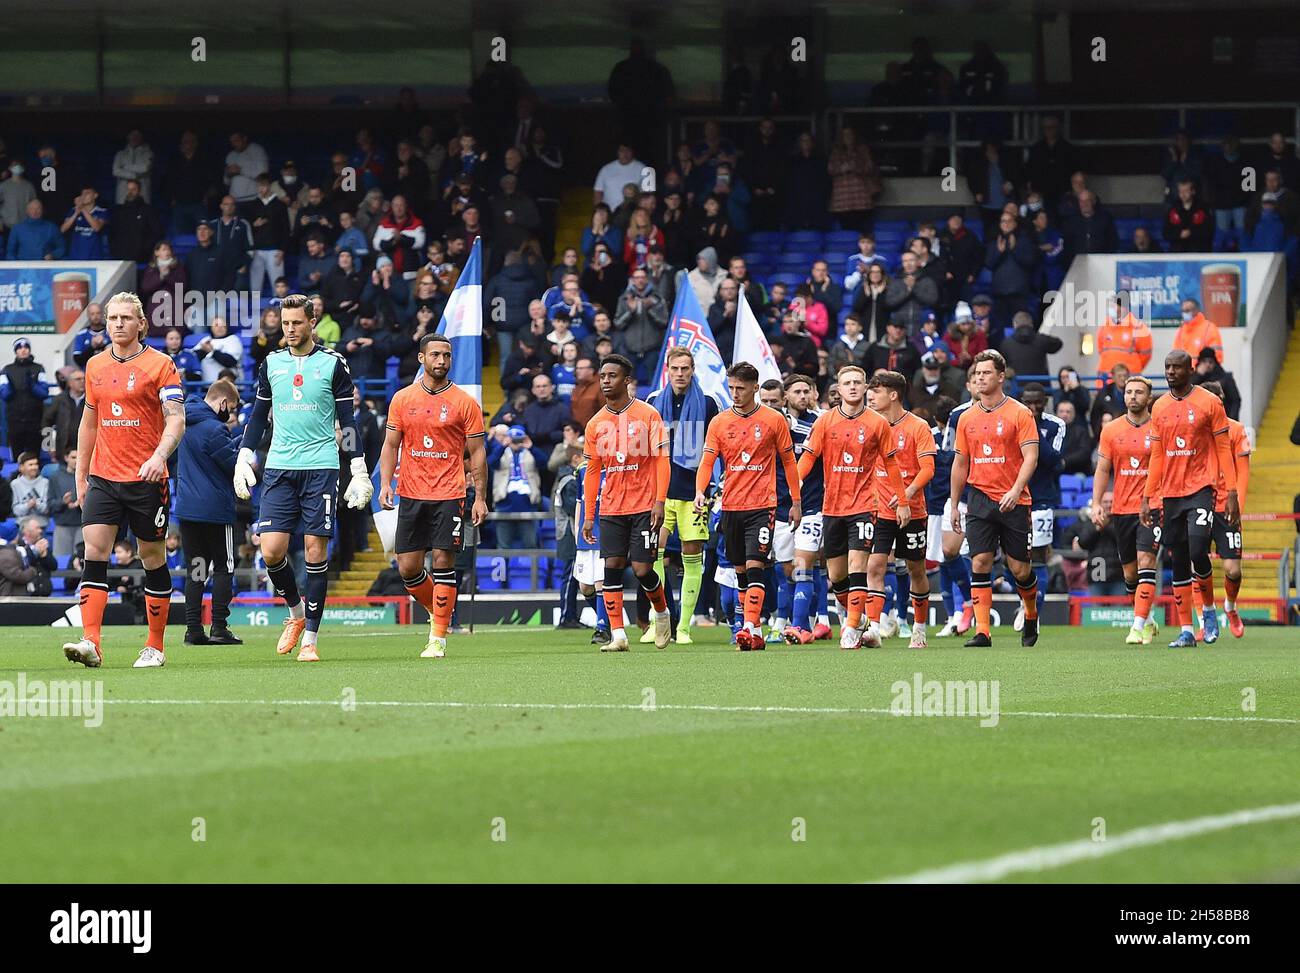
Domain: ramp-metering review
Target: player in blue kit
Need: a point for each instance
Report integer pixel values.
(304, 390)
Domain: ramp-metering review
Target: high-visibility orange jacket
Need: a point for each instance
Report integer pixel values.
(1200, 332)
(1128, 341)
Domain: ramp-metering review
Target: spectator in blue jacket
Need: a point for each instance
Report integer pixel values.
(87, 221)
(601, 230)
(205, 507)
(315, 265)
(35, 238)
(186, 362)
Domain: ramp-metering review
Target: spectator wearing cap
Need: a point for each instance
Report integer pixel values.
(937, 377)
(981, 310)
(31, 491)
(386, 295)
(1197, 332)
(1189, 225)
(930, 335)
(894, 352)
(964, 340)
(1026, 349)
(1208, 369)
(525, 363)
(35, 238)
(516, 465)
(1284, 201)
(24, 386)
(1268, 232)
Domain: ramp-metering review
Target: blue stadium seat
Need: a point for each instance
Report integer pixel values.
(846, 240)
(519, 574)
(491, 573)
(804, 238)
(765, 239)
(898, 227)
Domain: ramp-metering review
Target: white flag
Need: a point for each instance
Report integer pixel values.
(751, 344)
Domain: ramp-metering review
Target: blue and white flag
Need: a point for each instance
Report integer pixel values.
(462, 322)
(689, 328)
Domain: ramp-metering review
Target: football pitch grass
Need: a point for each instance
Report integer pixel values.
(526, 755)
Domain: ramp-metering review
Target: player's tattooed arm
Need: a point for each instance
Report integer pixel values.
(155, 467)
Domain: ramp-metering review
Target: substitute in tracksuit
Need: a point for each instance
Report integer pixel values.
(205, 507)
(1045, 485)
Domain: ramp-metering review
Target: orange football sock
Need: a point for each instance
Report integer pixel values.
(1183, 602)
(1205, 588)
(613, 595)
(1231, 588)
(1029, 597)
(875, 606)
(657, 599)
(444, 600)
(156, 610)
(981, 593)
(1142, 600)
(755, 595)
(921, 608)
(421, 589)
(92, 612)
(857, 608)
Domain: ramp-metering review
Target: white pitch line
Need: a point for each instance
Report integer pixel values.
(1046, 857)
(684, 707)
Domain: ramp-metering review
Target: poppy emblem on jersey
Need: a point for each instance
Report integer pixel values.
(130, 382)
(1134, 462)
(988, 450)
(428, 442)
(744, 457)
(1180, 441)
(297, 381)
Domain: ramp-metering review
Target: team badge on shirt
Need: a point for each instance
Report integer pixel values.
(130, 382)
(442, 413)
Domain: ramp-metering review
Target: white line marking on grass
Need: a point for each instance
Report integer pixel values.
(1046, 857)
(684, 707)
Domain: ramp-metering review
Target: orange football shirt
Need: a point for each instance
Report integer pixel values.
(126, 395)
(750, 447)
(911, 439)
(991, 439)
(1127, 445)
(1185, 429)
(434, 428)
(850, 447)
(1239, 442)
(627, 445)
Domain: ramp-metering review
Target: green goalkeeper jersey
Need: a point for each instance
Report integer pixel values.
(305, 392)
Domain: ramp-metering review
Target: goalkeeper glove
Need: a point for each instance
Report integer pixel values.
(245, 477)
(359, 491)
